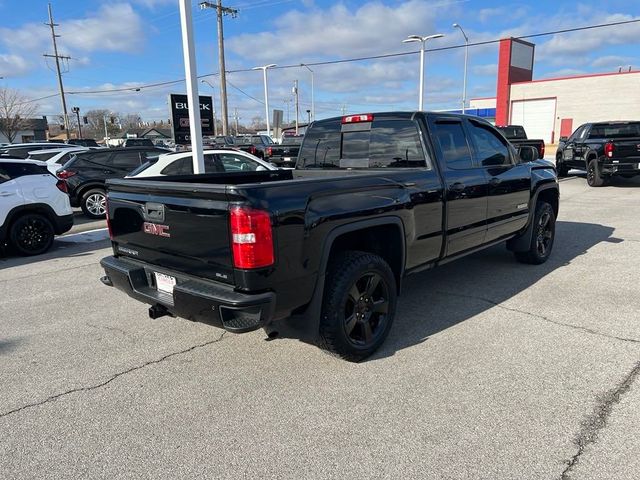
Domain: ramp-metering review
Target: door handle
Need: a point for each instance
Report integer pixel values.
(457, 187)
(494, 182)
(5, 194)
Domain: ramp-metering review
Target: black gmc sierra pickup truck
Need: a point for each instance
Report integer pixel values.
(602, 149)
(319, 252)
(517, 135)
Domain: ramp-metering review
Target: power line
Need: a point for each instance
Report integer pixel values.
(356, 59)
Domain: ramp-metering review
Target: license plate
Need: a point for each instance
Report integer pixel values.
(165, 283)
(286, 159)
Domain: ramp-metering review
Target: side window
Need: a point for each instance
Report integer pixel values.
(582, 134)
(236, 163)
(321, 147)
(4, 174)
(126, 159)
(490, 149)
(453, 145)
(63, 159)
(395, 143)
(182, 166)
(574, 136)
(93, 160)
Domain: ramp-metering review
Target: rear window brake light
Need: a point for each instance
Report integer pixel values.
(366, 117)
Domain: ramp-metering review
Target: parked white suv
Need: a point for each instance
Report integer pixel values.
(34, 206)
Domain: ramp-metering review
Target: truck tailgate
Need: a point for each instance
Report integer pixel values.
(173, 226)
(628, 150)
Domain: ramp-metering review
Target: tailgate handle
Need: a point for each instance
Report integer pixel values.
(153, 212)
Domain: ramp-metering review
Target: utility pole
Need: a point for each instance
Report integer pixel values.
(236, 118)
(295, 93)
(223, 74)
(57, 59)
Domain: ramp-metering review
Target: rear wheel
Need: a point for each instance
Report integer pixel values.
(94, 203)
(358, 306)
(31, 234)
(594, 177)
(544, 232)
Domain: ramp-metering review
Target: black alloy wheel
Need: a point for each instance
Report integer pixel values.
(358, 306)
(563, 170)
(544, 231)
(594, 178)
(32, 234)
(366, 309)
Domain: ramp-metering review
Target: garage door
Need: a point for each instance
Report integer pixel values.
(536, 116)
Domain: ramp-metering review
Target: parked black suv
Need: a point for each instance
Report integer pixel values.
(83, 142)
(86, 173)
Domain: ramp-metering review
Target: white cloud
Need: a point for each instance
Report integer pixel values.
(489, 70)
(13, 65)
(337, 31)
(612, 61)
(113, 27)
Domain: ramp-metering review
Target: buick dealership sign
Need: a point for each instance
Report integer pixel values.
(180, 117)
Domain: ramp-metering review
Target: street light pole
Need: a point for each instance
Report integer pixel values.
(313, 103)
(264, 69)
(423, 41)
(466, 58)
(213, 106)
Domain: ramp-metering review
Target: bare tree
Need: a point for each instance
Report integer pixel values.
(15, 111)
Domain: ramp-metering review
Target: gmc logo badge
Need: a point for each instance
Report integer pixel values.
(155, 229)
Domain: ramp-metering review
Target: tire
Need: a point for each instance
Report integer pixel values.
(358, 306)
(93, 203)
(594, 178)
(31, 234)
(562, 169)
(544, 232)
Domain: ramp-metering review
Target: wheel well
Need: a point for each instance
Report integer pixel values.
(550, 195)
(86, 188)
(384, 240)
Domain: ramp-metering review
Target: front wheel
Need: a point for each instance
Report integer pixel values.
(359, 305)
(94, 203)
(31, 234)
(544, 232)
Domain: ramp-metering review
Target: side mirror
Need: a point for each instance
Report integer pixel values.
(527, 153)
(563, 139)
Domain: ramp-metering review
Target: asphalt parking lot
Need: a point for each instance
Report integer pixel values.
(493, 370)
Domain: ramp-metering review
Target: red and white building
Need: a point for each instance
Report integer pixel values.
(553, 107)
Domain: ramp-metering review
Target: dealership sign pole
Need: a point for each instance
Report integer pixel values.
(188, 49)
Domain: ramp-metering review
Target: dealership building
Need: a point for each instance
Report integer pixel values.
(553, 107)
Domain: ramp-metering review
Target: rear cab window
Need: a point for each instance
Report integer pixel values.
(381, 143)
(615, 130)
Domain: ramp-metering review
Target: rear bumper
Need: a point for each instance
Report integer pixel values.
(622, 167)
(193, 298)
(63, 224)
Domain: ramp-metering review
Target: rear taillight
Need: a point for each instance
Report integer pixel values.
(251, 238)
(609, 148)
(62, 186)
(64, 174)
(541, 150)
(252, 150)
(269, 151)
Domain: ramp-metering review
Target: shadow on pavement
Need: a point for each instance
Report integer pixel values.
(492, 275)
(59, 249)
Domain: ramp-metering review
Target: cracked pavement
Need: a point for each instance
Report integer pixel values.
(492, 370)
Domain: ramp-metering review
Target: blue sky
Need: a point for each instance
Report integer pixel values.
(128, 44)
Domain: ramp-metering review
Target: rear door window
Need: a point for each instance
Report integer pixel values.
(453, 144)
(231, 162)
(127, 160)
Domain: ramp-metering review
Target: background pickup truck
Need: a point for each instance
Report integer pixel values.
(602, 149)
(319, 253)
(518, 138)
(286, 153)
(253, 144)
